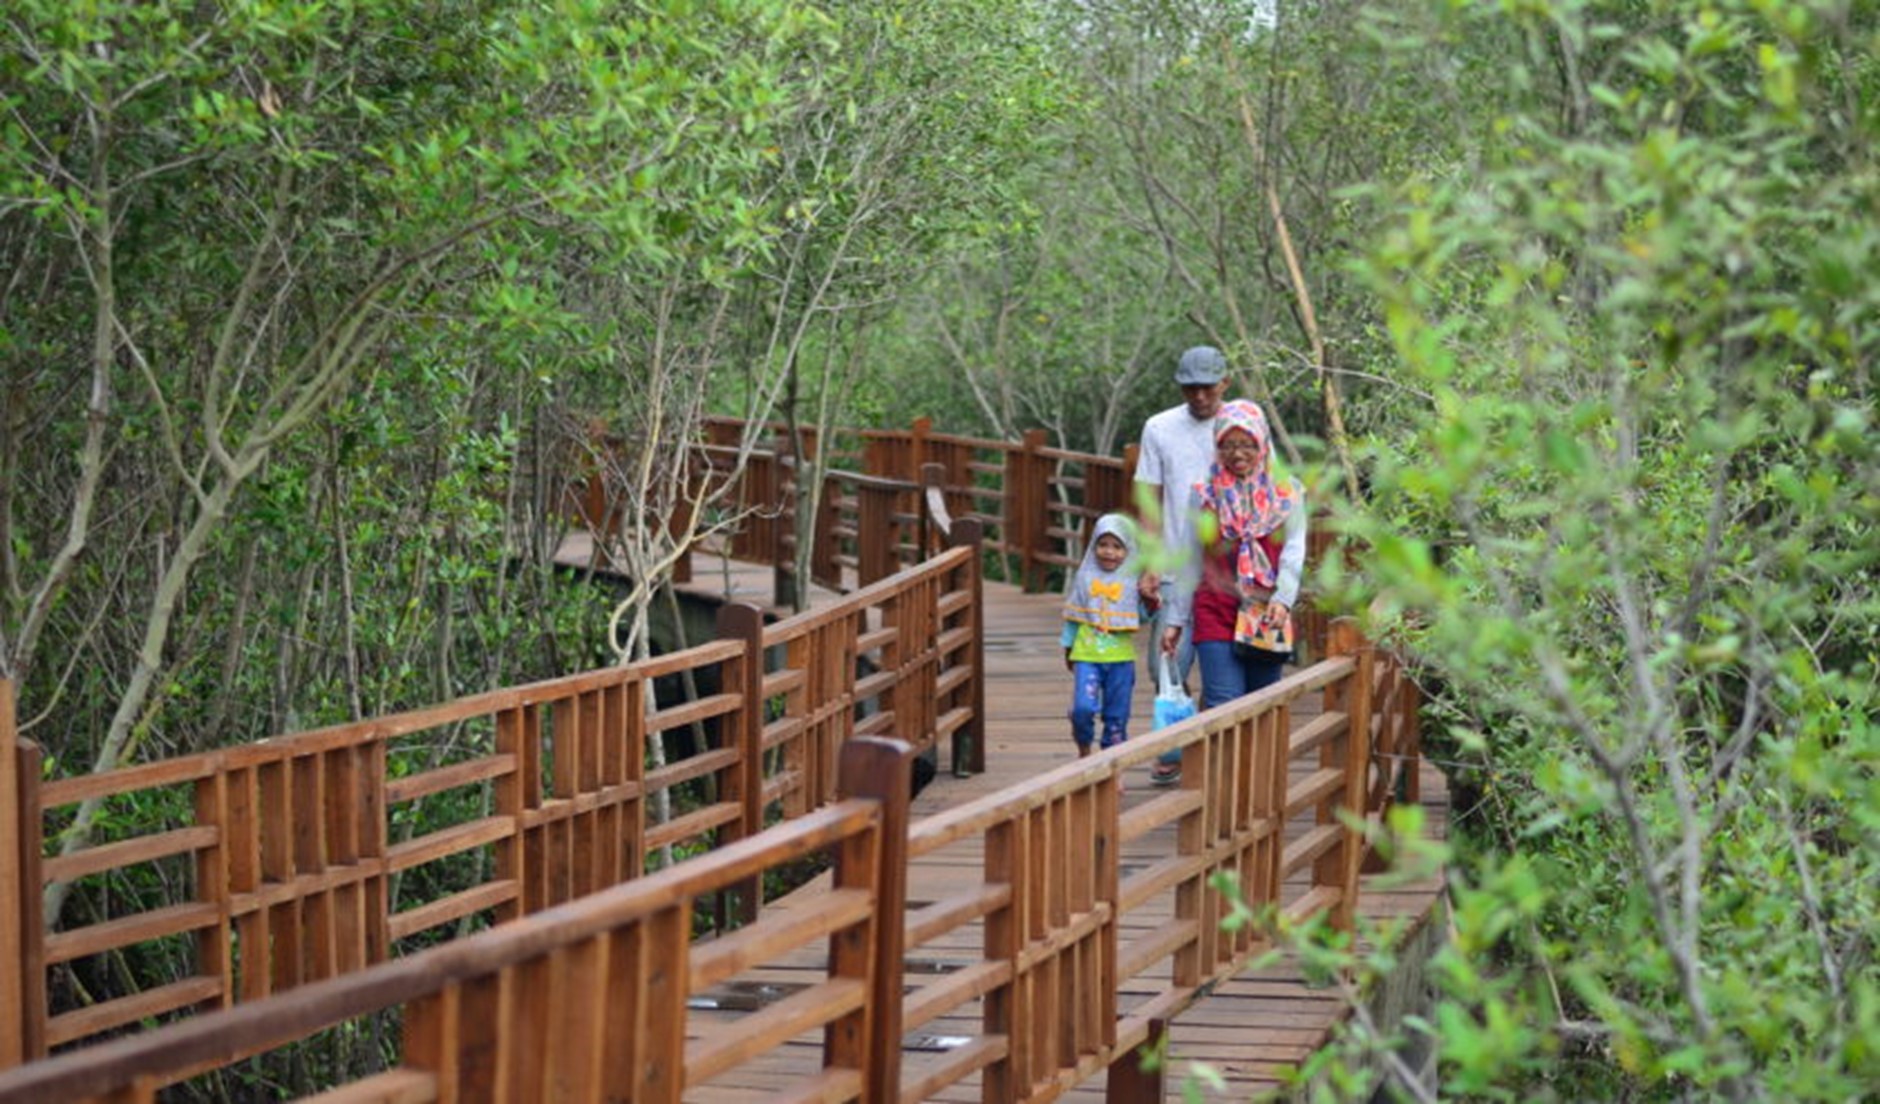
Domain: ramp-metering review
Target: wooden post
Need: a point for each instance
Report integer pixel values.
(1129, 1082)
(213, 955)
(14, 894)
(1357, 772)
(693, 466)
(874, 533)
(1107, 488)
(917, 450)
(883, 769)
(1339, 867)
(878, 452)
(26, 916)
(784, 536)
(1025, 505)
(744, 622)
(1004, 1006)
(971, 758)
(824, 558)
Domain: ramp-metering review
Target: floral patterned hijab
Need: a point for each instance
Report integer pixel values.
(1250, 508)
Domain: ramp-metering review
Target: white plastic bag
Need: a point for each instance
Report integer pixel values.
(1172, 703)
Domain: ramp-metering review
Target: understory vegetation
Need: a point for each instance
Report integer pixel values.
(312, 315)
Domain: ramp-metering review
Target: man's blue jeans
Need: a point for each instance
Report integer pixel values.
(1101, 690)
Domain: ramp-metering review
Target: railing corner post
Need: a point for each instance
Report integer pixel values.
(917, 451)
(882, 769)
(1129, 1082)
(744, 623)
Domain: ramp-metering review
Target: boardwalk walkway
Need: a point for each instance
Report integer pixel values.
(1246, 1029)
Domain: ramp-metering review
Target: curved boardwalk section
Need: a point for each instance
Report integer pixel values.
(1021, 934)
(1247, 1027)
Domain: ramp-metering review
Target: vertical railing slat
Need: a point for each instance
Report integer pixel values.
(15, 919)
(27, 908)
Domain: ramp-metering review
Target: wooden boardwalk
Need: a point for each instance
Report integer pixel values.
(1246, 1030)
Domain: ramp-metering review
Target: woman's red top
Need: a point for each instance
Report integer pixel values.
(1217, 598)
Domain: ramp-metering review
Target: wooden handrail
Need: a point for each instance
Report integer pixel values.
(1054, 903)
(566, 974)
(555, 781)
(292, 843)
(1034, 502)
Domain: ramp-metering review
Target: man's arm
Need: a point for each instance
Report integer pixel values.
(1149, 497)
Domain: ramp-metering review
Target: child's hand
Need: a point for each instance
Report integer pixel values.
(1068, 665)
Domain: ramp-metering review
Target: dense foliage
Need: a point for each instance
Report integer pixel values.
(310, 311)
(1598, 283)
(1627, 531)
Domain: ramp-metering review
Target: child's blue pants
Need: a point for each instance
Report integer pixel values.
(1101, 690)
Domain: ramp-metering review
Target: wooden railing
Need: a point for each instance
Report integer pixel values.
(889, 496)
(293, 857)
(1055, 950)
(1070, 903)
(588, 1001)
(1033, 503)
(538, 795)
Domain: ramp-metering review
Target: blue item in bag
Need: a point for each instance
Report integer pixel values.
(1172, 703)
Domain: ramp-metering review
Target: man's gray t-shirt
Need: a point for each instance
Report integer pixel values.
(1175, 453)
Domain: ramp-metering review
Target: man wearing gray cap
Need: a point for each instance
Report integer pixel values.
(1176, 449)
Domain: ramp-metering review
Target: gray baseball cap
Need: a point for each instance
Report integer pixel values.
(1202, 365)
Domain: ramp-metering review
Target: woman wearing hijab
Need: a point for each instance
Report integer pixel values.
(1252, 532)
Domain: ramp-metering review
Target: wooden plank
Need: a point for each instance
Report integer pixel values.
(457, 905)
(15, 894)
(713, 1052)
(1307, 848)
(145, 776)
(399, 1086)
(690, 713)
(695, 823)
(412, 787)
(126, 930)
(138, 849)
(1317, 787)
(106, 1015)
(778, 932)
(966, 899)
(446, 841)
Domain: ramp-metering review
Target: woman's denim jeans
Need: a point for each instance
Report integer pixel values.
(1225, 676)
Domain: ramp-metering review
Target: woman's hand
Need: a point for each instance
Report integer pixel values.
(1171, 639)
(1276, 612)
